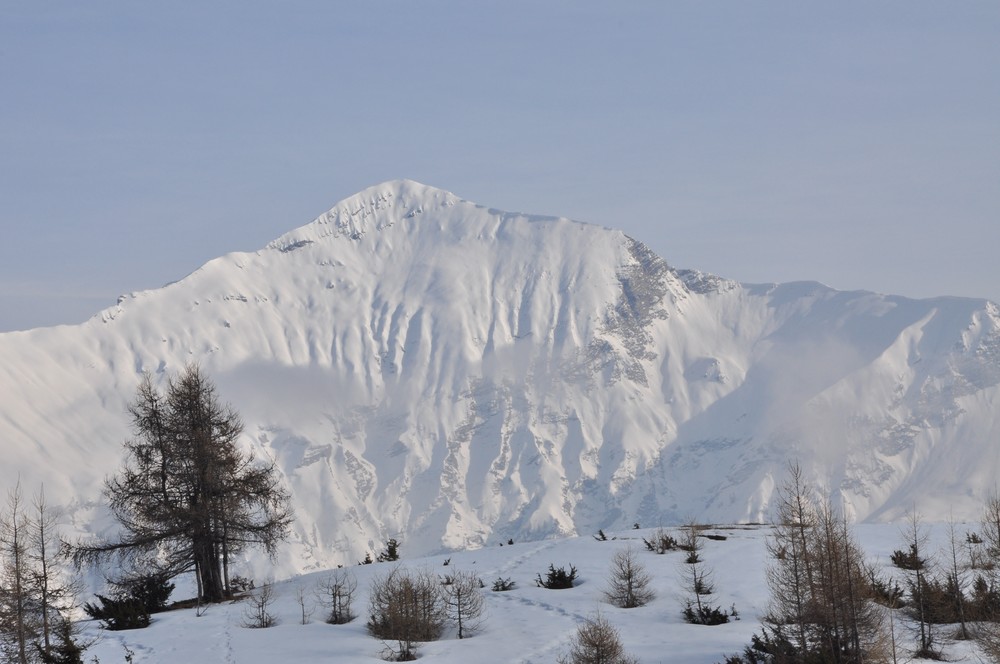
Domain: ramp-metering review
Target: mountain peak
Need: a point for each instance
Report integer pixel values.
(374, 208)
(418, 366)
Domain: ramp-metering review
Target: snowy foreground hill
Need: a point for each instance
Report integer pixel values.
(526, 625)
(425, 368)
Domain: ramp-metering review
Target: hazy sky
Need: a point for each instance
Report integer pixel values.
(853, 143)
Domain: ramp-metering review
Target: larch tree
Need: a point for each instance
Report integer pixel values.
(19, 624)
(917, 564)
(988, 634)
(629, 582)
(463, 602)
(821, 594)
(187, 497)
(596, 641)
(790, 576)
(34, 596)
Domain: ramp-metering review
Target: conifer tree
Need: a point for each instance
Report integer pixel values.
(629, 582)
(20, 625)
(463, 602)
(821, 592)
(187, 497)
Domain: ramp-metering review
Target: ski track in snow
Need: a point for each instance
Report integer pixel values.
(519, 560)
(551, 614)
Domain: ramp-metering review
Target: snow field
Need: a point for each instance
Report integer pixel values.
(526, 625)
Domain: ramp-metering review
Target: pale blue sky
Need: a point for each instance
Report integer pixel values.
(854, 143)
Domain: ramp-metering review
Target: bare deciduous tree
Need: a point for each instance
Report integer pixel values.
(405, 607)
(33, 596)
(820, 588)
(991, 525)
(988, 632)
(790, 576)
(305, 607)
(257, 613)
(629, 582)
(463, 602)
(336, 593)
(957, 577)
(19, 624)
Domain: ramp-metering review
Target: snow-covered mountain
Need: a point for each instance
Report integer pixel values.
(425, 368)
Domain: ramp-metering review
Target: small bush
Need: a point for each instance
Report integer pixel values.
(406, 608)
(770, 647)
(503, 585)
(597, 642)
(151, 590)
(557, 579)
(133, 602)
(886, 592)
(118, 613)
(661, 542)
(705, 615)
(909, 560)
(241, 584)
(64, 648)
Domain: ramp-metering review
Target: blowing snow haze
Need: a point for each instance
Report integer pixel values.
(425, 368)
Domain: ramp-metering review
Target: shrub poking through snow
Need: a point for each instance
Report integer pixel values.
(660, 542)
(503, 585)
(405, 608)
(557, 579)
(597, 642)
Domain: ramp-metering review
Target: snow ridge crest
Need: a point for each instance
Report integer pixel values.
(372, 209)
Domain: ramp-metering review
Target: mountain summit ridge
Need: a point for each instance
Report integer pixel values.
(425, 368)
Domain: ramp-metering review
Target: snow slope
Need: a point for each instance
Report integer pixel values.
(425, 368)
(526, 625)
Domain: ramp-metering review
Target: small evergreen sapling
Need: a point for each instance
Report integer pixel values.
(557, 579)
(503, 585)
(628, 583)
(118, 613)
(390, 553)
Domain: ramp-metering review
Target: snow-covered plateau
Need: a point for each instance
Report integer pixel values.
(425, 368)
